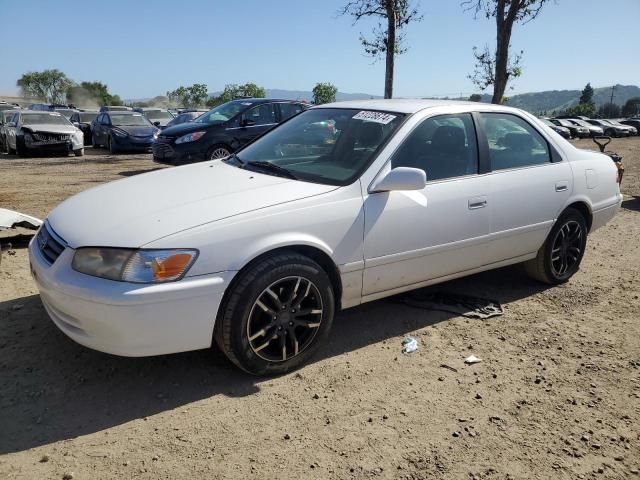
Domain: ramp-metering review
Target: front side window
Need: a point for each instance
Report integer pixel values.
(444, 147)
(513, 143)
(261, 115)
(325, 145)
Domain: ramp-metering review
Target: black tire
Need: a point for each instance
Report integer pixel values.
(112, 148)
(21, 150)
(610, 133)
(94, 143)
(241, 314)
(219, 150)
(79, 152)
(560, 256)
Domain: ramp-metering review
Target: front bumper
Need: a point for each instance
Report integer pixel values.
(68, 145)
(169, 152)
(128, 319)
(132, 142)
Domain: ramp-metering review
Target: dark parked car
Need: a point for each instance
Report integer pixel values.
(115, 108)
(123, 131)
(185, 117)
(221, 131)
(576, 130)
(564, 131)
(83, 121)
(594, 130)
(632, 122)
(632, 130)
(610, 129)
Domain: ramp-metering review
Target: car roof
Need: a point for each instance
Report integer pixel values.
(265, 100)
(40, 112)
(406, 105)
(122, 112)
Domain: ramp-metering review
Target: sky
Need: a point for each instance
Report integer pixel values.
(144, 48)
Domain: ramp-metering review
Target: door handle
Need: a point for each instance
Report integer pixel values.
(562, 186)
(477, 202)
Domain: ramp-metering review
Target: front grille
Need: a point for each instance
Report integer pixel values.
(162, 150)
(50, 137)
(49, 244)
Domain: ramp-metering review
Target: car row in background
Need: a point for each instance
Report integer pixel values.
(123, 130)
(185, 117)
(222, 130)
(584, 127)
(160, 117)
(83, 121)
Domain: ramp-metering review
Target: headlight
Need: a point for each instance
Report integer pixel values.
(136, 266)
(191, 137)
(120, 133)
(156, 133)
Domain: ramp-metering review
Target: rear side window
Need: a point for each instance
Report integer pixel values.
(444, 147)
(513, 143)
(263, 114)
(288, 110)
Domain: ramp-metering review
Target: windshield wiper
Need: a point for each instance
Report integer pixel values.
(238, 160)
(272, 167)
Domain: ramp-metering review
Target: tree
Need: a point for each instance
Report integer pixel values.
(587, 95)
(387, 39)
(324, 93)
(48, 85)
(232, 91)
(496, 68)
(609, 110)
(91, 94)
(581, 109)
(194, 96)
(475, 97)
(631, 107)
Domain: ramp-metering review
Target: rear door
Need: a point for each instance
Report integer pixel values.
(530, 184)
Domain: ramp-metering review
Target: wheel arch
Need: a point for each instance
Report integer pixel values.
(584, 208)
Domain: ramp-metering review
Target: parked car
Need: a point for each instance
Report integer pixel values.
(50, 107)
(219, 132)
(563, 131)
(609, 129)
(158, 116)
(185, 117)
(630, 129)
(119, 130)
(9, 106)
(257, 252)
(576, 130)
(83, 121)
(632, 122)
(32, 131)
(115, 108)
(594, 130)
(67, 112)
(5, 117)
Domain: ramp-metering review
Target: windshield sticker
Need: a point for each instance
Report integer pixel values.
(377, 117)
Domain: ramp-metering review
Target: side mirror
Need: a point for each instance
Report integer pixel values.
(400, 178)
(247, 122)
(157, 124)
(77, 124)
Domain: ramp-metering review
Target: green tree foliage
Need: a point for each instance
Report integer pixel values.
(91, 94)
(48, 85)
(631, 107)
(475, 97)
(388, 38)
(587, 94)
(497, 68)
(194, 96)
(581, 110)
(232, 91)
(324, 93)
(609, 110)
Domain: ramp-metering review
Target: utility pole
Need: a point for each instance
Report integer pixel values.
(613, 89)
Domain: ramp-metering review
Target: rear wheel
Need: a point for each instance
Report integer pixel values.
(21, 150)
(94, 142)
(218, 151)
(277, 315)
(560, 256)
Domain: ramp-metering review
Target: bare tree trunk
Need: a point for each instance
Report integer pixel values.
(391, 48)
(503, 37)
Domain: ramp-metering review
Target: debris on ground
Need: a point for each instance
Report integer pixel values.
(471, 359)
(409, 345)
(465, 305)
(13, 219)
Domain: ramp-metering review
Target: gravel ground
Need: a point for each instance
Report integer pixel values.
(557, 394)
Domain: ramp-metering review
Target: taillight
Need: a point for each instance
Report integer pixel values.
(619, 173)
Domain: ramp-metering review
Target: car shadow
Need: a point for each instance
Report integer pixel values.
(632, 204)
(131, 173)
(53, 389)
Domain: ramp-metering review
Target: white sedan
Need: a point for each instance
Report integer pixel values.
(342, 204)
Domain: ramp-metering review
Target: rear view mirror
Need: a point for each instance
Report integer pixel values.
(400, 178)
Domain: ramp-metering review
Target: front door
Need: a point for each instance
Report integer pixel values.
(254, 122)
(415, 236)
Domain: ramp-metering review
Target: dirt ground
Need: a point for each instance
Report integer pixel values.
(557, 394)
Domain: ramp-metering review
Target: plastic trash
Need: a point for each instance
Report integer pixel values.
(409, 345)
(471, 359)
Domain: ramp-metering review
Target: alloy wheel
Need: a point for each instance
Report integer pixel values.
(284, 319)
(219, 153)
(567, 248)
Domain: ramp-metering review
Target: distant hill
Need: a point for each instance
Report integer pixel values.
(556, 100)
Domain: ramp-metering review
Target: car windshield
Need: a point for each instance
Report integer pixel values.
(223, 112)
(616, 123)
(88, 117)
(582, 123)
(129, 120)
(547, 122)
(325, 145)
(6, 115)
(158, 115)
(564, 123)
(44, 118)
(66, 112)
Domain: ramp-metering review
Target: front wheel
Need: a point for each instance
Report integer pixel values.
(112, 148)
(560, 256)
(278, 313)
(21, 150)
(218, 151)
(79, 152)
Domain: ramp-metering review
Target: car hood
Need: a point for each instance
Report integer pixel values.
(188, 127)
(138, 210)
(137, 130)
(47, 127)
